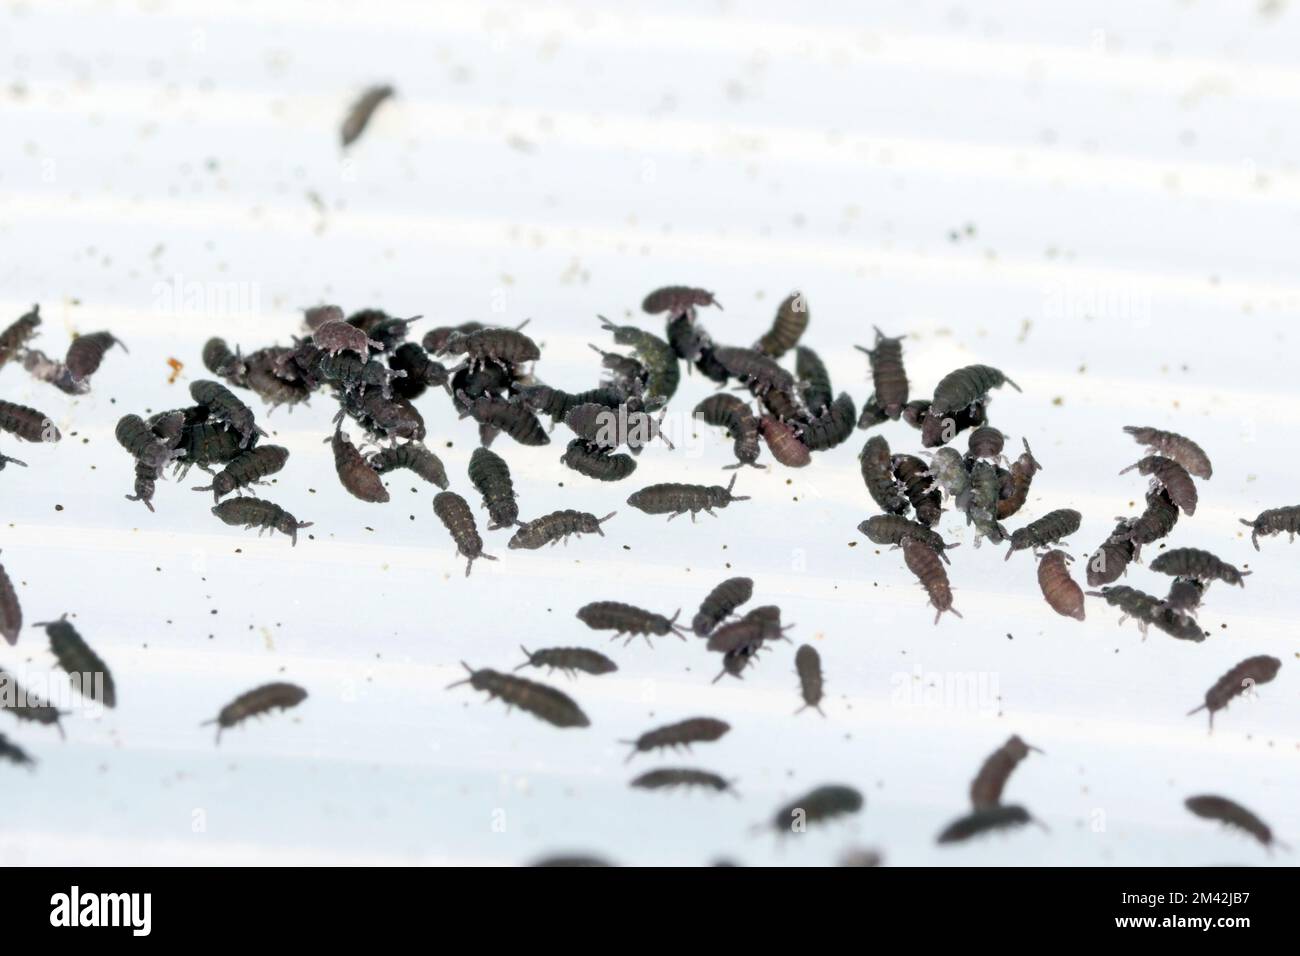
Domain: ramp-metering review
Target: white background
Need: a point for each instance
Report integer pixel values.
(1129, 171)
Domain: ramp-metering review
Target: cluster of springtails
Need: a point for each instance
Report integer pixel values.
(218, 431)
(375, 374)
(910, 491)
(368, 363)
(737, 638)
(1172, 463)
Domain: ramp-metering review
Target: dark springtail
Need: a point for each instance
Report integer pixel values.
(222, 404)
(19, 333)
(1049, 529)
(964, 387)
(817, 806)
(670, 777)
(595, 461)
(627, 619)
(11, 752)
(1274, 521)
(249, 468)
(923, 561)
(358, 118)
(415, 456)
(787, 328)
(888, 377)
(720, 603)
(1195, 563)
(91, 676)
(1170, 476)
(27, 423)
(263, 515)
(11, 612)
(1061, 591)
(677, 299)
(86, 353)
(25, 705)
(1233, 814)
(986, 788)
(891, 529)
(490, 474)
(999, 817)
(456, 516)
(674, 499)
(1242, 678)
(681, 734)
(808, 665)
(570, 660)
(543, 702)
(557, 526)
(1172, 445)
(258, 701)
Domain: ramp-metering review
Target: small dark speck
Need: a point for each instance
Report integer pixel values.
(60, 507)
(1010, 638)
(214, 610)
(627, 547)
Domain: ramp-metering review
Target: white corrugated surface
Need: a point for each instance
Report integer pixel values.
(1129, 171)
